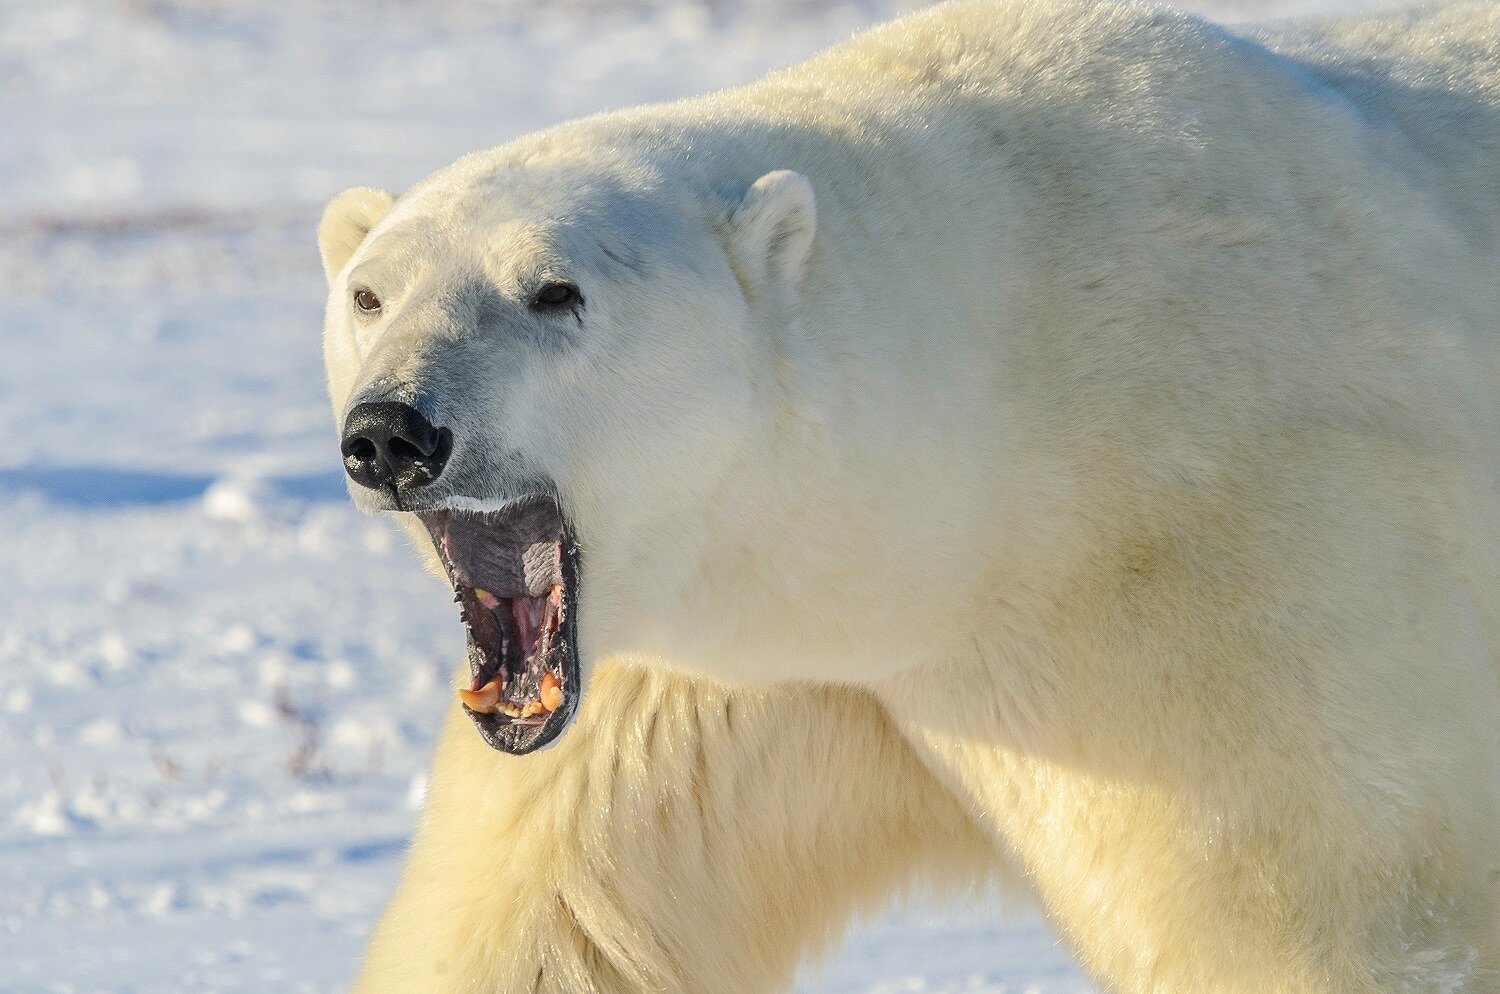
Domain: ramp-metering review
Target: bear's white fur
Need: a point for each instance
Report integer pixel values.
(1044, 435)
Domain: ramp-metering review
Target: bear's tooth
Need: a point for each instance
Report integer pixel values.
(532, 709)
(552, 693)
(483, 700)
(486, 598)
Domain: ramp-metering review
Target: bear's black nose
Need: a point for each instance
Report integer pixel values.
(390, 444)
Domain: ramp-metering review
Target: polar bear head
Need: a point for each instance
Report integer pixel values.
(555, 370)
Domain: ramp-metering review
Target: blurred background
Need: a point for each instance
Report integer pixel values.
(219, 685)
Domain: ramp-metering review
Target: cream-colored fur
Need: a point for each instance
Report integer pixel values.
(679, 838)
(1072, 427)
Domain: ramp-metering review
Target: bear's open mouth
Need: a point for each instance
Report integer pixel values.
(515, 577)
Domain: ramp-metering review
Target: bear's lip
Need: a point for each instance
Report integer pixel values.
(514, 573)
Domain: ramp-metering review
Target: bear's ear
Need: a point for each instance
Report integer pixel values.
(772, 229)
(347, 219)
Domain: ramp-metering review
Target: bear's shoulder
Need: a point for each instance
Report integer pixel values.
(1452, 46)
(1015, 44)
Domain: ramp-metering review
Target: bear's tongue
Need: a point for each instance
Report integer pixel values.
(527, 682)
(507, 575)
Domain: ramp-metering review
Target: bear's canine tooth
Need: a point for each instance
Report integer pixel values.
(486, 598)
(483, 700)
(552, 694)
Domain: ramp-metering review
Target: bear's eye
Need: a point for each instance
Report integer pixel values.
(555, 296)
(366, 301)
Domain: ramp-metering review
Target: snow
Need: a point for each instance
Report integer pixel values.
(219, 685)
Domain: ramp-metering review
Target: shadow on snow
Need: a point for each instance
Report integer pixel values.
(107, 486)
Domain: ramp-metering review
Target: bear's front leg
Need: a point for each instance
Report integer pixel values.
(678, 838)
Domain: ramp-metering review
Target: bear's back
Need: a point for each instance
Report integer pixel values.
(1428, 82)
(1424, 82)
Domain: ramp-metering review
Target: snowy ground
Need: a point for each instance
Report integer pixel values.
(218, 684)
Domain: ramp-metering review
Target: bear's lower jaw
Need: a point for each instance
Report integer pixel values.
(514, 573)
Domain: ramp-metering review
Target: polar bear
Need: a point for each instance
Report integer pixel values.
(1049, 442)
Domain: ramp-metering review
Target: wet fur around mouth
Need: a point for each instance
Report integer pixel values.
(514, 573)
